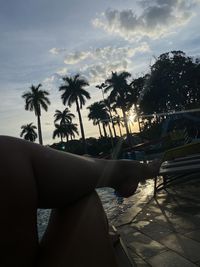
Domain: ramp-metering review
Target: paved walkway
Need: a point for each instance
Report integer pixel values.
(164, 231)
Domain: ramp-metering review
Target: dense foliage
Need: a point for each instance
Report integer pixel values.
(173, 84)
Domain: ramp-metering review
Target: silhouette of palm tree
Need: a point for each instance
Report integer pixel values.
(99, 113)
(107, 103)
(95, 114)
(137, 86)
(72, 129)
(65, 130)
(109, 108)
(35, 99)
(60, 131)
(28, 132)
(119, 95)
(64, 116)
(117, 120)
(74, 93)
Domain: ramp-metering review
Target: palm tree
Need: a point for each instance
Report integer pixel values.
(35, 99)
(59, 132)
(72, 129)
(74, 93)
(64, 116)
(107, 103)
(119, 94)
(108, 106)
(137, 86)
(117, 120)
(101, 86)
(28, 132)
(65, 130)
(99, 113)
(95, 111)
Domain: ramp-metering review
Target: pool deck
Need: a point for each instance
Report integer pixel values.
(164, 231)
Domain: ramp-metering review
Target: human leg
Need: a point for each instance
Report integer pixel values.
(33, 176)
(18, 205)
(77, 236)
(63, 178)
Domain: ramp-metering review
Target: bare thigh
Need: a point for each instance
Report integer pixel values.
(18, 205)
(77, 236)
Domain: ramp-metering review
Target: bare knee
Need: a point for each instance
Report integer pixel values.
(78, 235)
(82, 214)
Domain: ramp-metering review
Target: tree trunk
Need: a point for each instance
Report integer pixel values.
(81, 126)
(99, 129)
(39, 130)
(130, 131)
(115, 134)
(138, 119)
(113, 126)
(111, 135)
(126, 126)
(120, 131)
(104, 129)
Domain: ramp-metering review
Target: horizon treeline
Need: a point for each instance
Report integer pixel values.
(171, 84)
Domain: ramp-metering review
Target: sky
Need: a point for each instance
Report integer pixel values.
(44, 40)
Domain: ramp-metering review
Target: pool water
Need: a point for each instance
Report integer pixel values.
(114, 206)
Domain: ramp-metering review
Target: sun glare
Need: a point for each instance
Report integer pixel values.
(131, 118)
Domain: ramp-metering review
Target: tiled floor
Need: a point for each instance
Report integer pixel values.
(166, 231)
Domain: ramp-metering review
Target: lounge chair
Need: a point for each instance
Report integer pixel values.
(180, 165)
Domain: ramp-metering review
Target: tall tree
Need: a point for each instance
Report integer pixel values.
(94, 114)
(173, 84)
(72, 129)
(64, 116)
(74, 92)
(28, 132)
(102, 86)
(120, 91)
(60, 131)
(65, 130)
(117, 120)
(107, 103)
(109, 108)
(137, 87)
(35, 99)
(98, 113)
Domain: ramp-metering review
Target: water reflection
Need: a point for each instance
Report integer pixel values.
(119, 199)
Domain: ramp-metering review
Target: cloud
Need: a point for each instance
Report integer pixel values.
(96, 64)
(56, 51)
(62, 71)
(102, 61)
(158, 18)
(99, 72)
(75, 57)
(94, 73)
(105, 53)
(52, 82)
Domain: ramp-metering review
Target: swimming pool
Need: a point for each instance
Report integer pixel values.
(114, 206)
